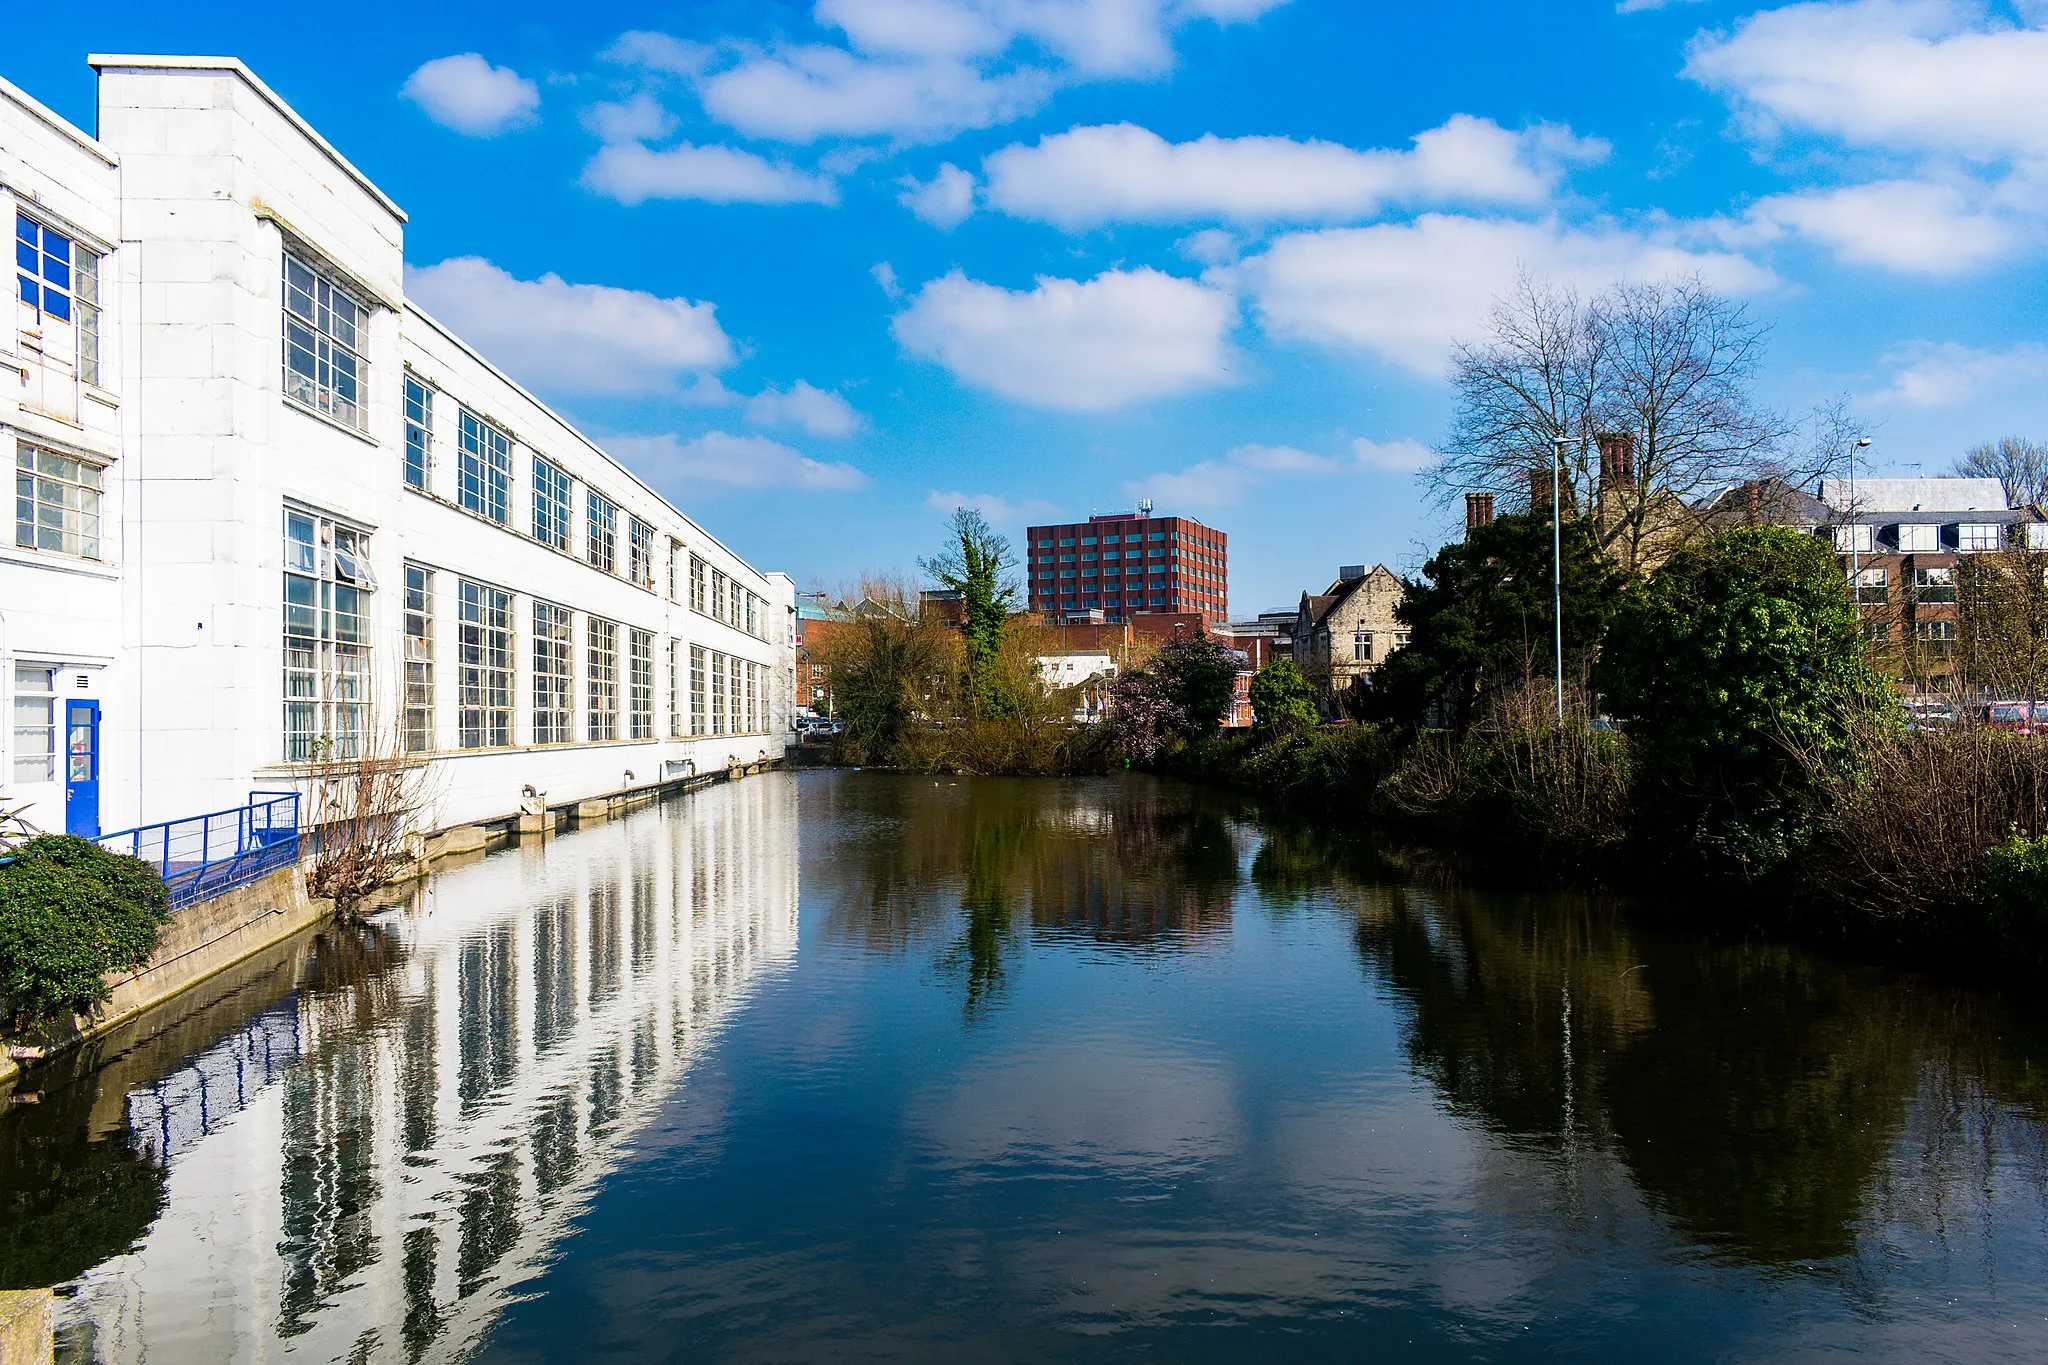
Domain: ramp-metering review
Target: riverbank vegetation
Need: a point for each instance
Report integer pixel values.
(70, 913)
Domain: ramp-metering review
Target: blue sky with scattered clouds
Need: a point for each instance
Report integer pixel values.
(822, 270)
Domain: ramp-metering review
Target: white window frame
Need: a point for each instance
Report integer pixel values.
(639, 684)
(33, 730)
(699, 710)
(601, 531)
(602, 675)
(554, 503)
(1979, 537)
(38, 473)
(1919, 538)
(483, 467)
(419, 433)
(325, 325)
(69, 278)
(485, 643)
(326, 636)
(417, 729)
(639, 552)
(554, 673)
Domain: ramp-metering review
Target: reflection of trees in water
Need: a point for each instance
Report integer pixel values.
(1754, 1094)
(67, 1202)
(1128, 862)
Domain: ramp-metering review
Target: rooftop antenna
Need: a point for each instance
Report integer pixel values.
(1144, 507)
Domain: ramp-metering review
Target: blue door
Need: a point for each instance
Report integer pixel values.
(82, 768)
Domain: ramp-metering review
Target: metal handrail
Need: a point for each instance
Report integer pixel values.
(204, 855)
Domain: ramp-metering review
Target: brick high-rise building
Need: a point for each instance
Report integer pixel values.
(1128, 563)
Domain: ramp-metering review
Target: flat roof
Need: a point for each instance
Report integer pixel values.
(234, 66)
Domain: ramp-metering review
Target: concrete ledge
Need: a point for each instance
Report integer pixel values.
(27, 1323)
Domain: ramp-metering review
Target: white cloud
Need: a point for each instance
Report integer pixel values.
(468, 94)
(1404, 456)
(1080, 346)
(1225, 482)
(944, 201)
(727, 461)
(996, 509)
(639, 119)
(1908, 225)
(885, 276)
(1928, 375)
(633, 174)
(1124, 173)
(1405, 291)
(578, 338)
(926, 69)
(1944, 76)
(818, 411)
(1638, 6)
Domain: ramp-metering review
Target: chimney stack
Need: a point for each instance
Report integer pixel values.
(1617, 460)
(1755, 489)
(1478, 511)
(1539, 489)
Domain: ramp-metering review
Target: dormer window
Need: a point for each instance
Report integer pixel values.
(1974, 537)
(1919, 538)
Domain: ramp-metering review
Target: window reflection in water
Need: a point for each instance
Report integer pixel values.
(456, 1076)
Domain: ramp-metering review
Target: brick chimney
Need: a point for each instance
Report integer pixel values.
(1539, 488)
(1755, 490)
(1478, 511)
(1617, 460)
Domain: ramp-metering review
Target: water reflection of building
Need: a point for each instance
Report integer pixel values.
(431, 1124)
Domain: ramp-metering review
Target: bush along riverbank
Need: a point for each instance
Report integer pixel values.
(1744, 752)
(71, 912)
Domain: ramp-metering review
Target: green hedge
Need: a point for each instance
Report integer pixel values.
(70, 912)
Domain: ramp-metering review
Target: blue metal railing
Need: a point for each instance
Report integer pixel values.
(204, 855)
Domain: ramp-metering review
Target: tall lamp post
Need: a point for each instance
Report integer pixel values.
(1557, 445)
(1855, 537)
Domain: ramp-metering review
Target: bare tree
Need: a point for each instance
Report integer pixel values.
(1665, 371)
(1680, 362)
(1536, 376)
(364, 793)
(2019, 465)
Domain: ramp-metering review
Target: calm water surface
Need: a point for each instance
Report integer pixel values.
(844, 1066)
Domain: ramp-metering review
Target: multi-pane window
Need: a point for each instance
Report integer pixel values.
(754, 605)
(1976, 537)
(602, 516)
(698, 571)
(639, 684)
(323, 344)
(419, 432)
(603, 674)
(35, 723)
(553, 643)
(719, 719)
(483, 467)
(327, 587)
(60, 281)
(640, 552)
(56, 503)
(753, 707)
(484, 666)
(718, 585)
(418, 727)
(550, 504)
(1937, 637)
(697, 685)
(675, 569)
(675, 689)
(1873, 588)
(1934, 585)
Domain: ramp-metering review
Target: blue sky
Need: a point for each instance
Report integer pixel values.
(822, 269)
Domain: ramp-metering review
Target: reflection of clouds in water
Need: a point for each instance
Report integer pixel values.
(1086, 1104)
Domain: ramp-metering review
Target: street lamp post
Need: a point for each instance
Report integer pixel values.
(1557, 445)
(1855, 537)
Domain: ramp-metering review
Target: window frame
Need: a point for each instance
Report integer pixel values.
(486, 647)
(639, 552)
(331, 670)
(419, 433)
(44, 725)
(601, 534)
(483, 467)
(601, 674)
(77, 528)
(416, 732)
(326, 348)
(554, 673)
(554, 503)
(639, 683)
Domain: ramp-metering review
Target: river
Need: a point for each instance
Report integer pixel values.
(848, 1065)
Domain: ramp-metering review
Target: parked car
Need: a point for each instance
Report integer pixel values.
(1924, 713)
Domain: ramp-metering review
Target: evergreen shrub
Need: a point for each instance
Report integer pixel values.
(70, 912)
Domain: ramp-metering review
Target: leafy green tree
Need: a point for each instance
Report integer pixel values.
(1282, 700)
(1741, 672)
(976, 564)
(1481, 620)
(70, 912)
(1198, 677)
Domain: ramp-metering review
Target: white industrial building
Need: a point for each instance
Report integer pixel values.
(266, 510)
